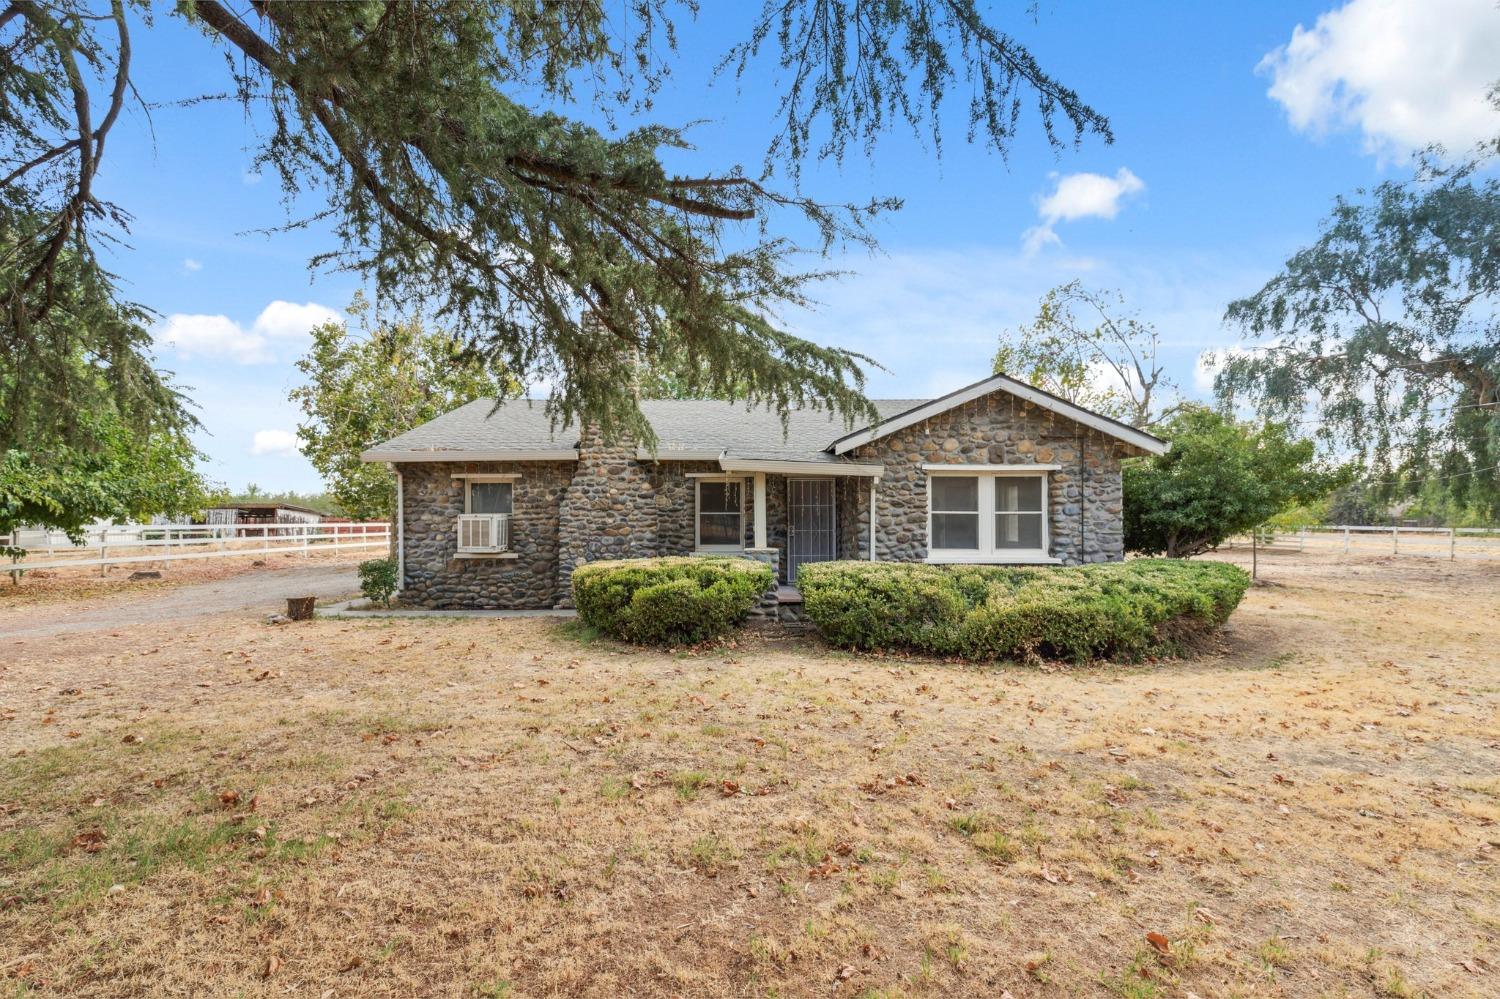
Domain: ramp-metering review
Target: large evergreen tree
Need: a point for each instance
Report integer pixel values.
(460, 175)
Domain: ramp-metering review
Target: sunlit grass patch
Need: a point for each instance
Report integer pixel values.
(687, 783)
(712, 855)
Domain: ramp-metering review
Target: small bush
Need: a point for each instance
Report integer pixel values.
(668, 601)
(1121, 610)
(377, 579)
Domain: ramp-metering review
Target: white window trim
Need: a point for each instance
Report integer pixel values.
(698, 480)
(987, 553)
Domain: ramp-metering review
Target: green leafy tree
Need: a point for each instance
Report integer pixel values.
(120, 475)
(1384, 334)
(1084, 347)
(1353, 504)
(1220, 478)
(447, 142)
(253, 493)
(89, 430)
(364, 387)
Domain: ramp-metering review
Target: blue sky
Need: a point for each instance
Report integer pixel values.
(1235, 125)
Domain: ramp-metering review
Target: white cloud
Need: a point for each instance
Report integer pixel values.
(191, 266)
(1405, 73)
(277, 442)
(213, 337)
(287, 320)
(219, 337)
(1080, 196)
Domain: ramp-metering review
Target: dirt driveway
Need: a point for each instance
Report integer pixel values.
(264, 590)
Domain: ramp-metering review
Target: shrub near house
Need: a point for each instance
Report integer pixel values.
(1117, 611)
(668, 601)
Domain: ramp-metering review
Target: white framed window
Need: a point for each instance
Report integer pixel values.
(987, 516)
(484, 526)
(719, 515)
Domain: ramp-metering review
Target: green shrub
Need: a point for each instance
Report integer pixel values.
(377, 579)
(1120, 610)
(668, 601)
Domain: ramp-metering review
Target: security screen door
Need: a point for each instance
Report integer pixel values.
(810, 527)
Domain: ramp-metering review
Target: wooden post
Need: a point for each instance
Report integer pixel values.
(1346, 540)
(1452, 544)
(1302, 539)
(1396, 540)
(305, 529)
(759, 490)
(1255, 553)
(103, 552)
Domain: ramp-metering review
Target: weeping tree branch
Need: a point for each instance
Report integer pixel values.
(1384, 335)
(67, 224)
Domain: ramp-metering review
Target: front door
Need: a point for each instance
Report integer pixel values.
(810, 535)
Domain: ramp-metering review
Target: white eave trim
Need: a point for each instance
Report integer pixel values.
(486, 476)
(809, 468)
(998, 469)
(561, 454)
(1002, 383)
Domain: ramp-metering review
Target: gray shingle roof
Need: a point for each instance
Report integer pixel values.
(680, 425)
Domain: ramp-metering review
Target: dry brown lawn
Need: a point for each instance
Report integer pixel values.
(506, 808)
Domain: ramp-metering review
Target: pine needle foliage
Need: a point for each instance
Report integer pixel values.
(458, 150)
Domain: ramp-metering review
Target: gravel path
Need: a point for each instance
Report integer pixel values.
(259, 591)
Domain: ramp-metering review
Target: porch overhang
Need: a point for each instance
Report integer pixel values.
(794, 466)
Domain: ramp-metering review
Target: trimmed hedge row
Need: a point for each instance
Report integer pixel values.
(668, 601)
(1120, 610)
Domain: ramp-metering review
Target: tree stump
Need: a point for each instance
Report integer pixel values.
(300, 608)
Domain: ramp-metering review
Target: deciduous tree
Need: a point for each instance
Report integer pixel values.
(1384, 334)
(370, 384)
(1220, 478)
(1085, 347)
(117, 475)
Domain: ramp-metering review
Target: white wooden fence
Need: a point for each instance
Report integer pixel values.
(1435, 542)
(136, 543)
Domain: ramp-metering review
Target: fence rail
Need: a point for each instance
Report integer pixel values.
(1434, 542)
(136, 543)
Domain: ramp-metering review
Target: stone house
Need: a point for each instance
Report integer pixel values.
(495, 507)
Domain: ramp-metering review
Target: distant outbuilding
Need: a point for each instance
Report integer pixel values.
(262, 513)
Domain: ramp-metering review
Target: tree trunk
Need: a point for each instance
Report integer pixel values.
(300, 608)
